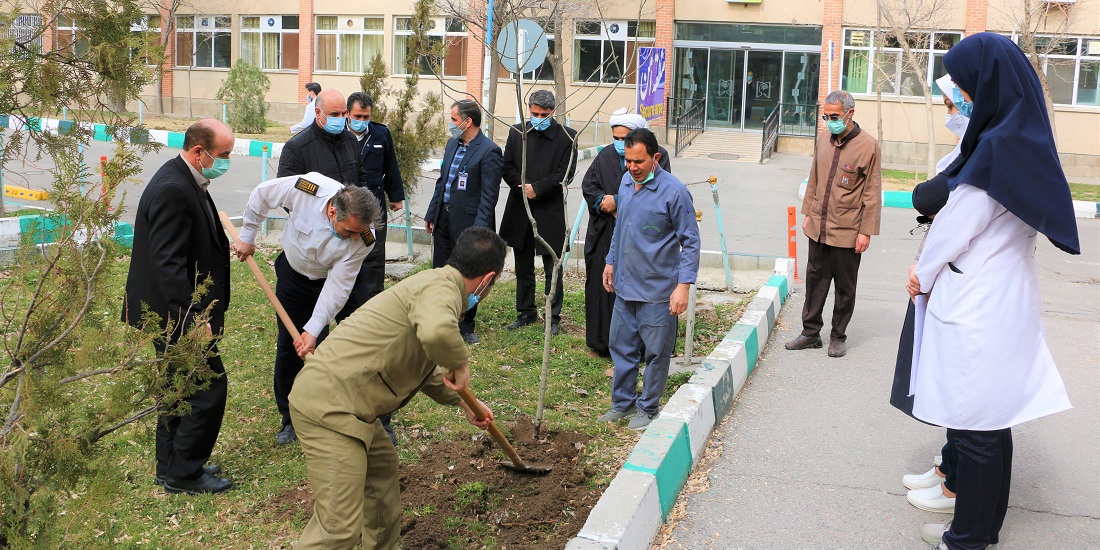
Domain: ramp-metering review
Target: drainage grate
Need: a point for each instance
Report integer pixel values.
(724, 156)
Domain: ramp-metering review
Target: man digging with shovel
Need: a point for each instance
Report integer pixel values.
(402, 341)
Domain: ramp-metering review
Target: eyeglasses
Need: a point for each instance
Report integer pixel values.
(833, 118)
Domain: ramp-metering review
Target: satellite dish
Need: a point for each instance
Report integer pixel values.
(522, 46)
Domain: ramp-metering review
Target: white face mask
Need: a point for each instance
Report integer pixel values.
(956, 123)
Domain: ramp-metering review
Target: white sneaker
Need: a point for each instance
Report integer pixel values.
(937, 460)
(931, 499)
(922, 481)
(932, 533)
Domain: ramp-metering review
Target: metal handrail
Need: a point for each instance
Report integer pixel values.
(770, 140)
(690, 123)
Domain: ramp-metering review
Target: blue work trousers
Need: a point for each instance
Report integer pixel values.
(639, 328)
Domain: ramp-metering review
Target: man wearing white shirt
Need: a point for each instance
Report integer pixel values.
(312, 89)
(328, 233)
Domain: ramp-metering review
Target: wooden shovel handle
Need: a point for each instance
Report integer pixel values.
(283, 316)
(493, 430)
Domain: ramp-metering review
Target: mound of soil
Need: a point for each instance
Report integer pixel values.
(458, 496)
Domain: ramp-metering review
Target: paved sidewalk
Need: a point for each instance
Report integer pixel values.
(813, 453)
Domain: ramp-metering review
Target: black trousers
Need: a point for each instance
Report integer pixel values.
(949, 465)
(443, 243)
(525, 282)
(984, 480)
(298, 294)
(598, 304)
(184, 442)
(371, 280)
(829, 265)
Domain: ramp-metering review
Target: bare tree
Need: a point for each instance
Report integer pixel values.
(1041, 29)
(912, 24)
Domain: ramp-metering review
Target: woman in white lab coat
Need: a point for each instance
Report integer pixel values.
(982, 363)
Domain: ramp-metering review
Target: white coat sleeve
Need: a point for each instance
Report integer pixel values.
(307, 119)
(966, 215)
(337, 288)
(269, 194)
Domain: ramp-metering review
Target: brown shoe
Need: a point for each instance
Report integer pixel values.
(837, 348)
(804, 342)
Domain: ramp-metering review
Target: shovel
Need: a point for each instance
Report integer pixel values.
(283, 316)
(516, 463)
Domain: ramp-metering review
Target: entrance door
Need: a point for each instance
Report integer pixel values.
(724, 88)
(763, 86)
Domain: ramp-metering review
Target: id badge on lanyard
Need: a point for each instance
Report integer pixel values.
(461, 184)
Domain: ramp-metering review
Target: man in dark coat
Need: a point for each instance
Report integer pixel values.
(381, 174)
(326, 147)
(465, 193)
(179, 244)
(600, 186)
(551, 161)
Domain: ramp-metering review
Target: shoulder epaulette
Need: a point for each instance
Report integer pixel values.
(307, 186)
(368, 237)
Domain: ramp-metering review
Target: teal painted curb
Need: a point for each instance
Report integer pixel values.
(779, 282)
(747, 334)
(897, 199)
(43, 229)
(175, 140)
(665, 452)
(717, 374)
(256, 148)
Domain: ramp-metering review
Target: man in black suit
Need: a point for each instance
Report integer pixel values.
(551, 157)
(326, 147)
(466, 191)
(381, 174)
(179, 243)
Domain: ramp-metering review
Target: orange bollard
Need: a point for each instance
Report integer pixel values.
(792, 243)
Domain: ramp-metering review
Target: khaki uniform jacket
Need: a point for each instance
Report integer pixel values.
(844, 194)
(378, 358)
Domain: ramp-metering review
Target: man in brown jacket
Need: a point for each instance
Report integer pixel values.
(400, 342)
(842, 208)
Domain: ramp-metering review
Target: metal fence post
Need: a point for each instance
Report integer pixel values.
(573, 233)
(409, 228)
(721, 232)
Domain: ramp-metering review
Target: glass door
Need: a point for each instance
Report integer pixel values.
(690, 81)
(724, 88)
(799, 94)
(763, 86)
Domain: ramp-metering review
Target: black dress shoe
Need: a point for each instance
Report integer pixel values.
(522, 321)
(286, 435)
(804, 342)
(212, 469)
(470, 338)
(205, 484)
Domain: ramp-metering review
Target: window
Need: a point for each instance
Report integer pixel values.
(545, 72)
(270, 42)
(146, 37)
(203, 41)
(1071, 68)
(892, 74)
(24, 29)
(606, 51)
(449, 34)
(347, 44)
(70, 38)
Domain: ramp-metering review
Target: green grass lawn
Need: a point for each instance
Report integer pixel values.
(902, 180)
(122, 508)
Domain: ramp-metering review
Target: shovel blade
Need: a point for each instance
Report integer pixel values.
(526, 468)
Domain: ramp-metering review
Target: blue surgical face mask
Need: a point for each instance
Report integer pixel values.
(335, 125)
(965, 107)
(749, 78)
(220, 167)
(620, 147)
(837, 127)
(647, 179)
(474, 298)
(540, 124)
(358, 126)
(454, 129)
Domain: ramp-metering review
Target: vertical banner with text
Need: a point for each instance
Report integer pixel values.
(651, 82)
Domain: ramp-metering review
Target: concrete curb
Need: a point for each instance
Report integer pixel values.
(637, 502)
(904, 199)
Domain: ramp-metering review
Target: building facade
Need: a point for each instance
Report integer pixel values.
(746, 57)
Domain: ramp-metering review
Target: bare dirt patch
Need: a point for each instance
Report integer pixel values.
(458, 496)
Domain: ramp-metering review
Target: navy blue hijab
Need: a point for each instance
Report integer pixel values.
(1008, 148)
